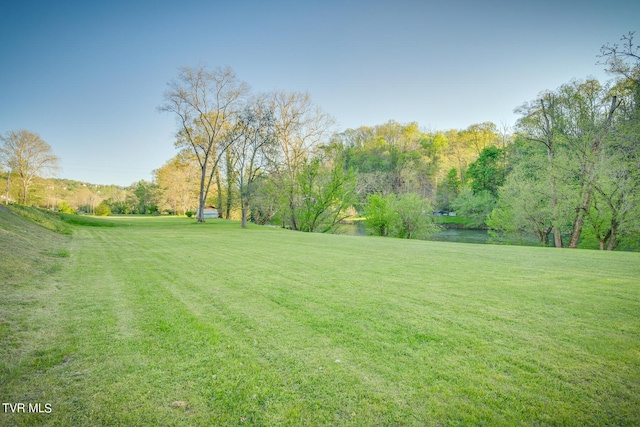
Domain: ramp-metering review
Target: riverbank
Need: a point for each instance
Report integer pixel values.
(454, 229)
(447, 234)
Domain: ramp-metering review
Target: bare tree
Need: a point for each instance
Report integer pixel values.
(206, 104)
(255, 148)
(26, 154)
(622, 59)
(505, 133)
(299, 127)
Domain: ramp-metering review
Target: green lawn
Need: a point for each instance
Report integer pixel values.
(162, 321)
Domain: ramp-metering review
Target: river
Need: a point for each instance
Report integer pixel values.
(445, 235)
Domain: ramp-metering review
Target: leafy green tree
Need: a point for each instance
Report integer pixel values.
(475, 207)
(448, 190)
(588, 119)
(413, 217)
(326, 191)
(540, 124)
(614, 217)
(147, 195)
(615, 205)
(527, 203)
(268, 201)
(480, 136)
(523, 206)
(379, 214)
(575, 122)
(124, 207)
(391, 157)
(459, 152)
(178, 182)
(488, 172)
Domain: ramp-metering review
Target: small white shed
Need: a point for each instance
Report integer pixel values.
(209, 212)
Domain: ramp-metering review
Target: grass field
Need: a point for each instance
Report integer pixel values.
(162, 321)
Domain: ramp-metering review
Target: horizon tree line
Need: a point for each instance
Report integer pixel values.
(569, 169)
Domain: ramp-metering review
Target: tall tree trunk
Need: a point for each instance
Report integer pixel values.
(549, 143)
(218, 184)
(6, 199)
(292, 210)
(229, 199)
(292, 205)
(25, 189)
(244, 218)
(294, 225)
(202, 195)
(229, 183)
(244, 202)
(582, 210)
(578, 222)
(557, 233)
(613, 239)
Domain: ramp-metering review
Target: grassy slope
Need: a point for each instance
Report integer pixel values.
(30, 257)
(29, 250)
(167, 322)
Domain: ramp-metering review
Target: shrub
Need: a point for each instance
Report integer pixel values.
(413, 217)
(379, 214)
(64, 207)
(103, 209)
(406, 216)
(475, 207)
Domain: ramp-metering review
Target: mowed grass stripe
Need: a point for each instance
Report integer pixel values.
(234, 351)
(264, 326)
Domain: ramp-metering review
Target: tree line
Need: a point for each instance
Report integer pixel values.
(575, 169)
(568, 171)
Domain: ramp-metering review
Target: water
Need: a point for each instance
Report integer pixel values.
(445, 235)
(461, 235)
(353, 229)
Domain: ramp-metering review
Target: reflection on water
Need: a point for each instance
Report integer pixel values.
(354, 229)
(461, 236)
(446, 235)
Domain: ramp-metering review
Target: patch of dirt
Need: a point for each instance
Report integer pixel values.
(179, 404)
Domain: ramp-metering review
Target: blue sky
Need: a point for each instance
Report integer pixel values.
(88, 76)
